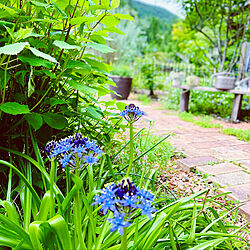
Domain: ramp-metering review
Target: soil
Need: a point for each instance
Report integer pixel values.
(183, 184)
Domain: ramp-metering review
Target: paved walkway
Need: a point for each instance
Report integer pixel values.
(223, 157)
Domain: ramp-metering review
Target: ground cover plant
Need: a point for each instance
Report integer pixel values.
(121, 215)
(63, 185)
(208, 122)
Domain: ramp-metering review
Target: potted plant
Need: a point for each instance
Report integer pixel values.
(121, 76)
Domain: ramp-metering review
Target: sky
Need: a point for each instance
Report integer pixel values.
(170, 5)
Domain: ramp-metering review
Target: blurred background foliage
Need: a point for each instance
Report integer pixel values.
(199, 44)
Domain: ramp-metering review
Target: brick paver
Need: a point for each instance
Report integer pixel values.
(225, 158)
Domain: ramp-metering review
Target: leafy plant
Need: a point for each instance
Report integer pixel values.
(149, 71)
(122, 70)
(48, 76)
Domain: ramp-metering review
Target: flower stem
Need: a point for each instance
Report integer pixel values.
(131, 153)
(52, 178)
(78, 216)
(124, 239)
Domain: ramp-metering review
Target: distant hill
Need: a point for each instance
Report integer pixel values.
(148, 11)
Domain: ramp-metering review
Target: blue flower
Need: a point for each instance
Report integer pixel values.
(123, 197)
(79, 151)
(118, 222)
(75, 145)
(65, 160)
(106, 199)
(90, 159)
(145, 195)
(55, 152)
(130, 201)
(108, 204)
(132, 113)
(147, 209)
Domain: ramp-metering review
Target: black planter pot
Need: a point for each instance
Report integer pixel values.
(123, 87)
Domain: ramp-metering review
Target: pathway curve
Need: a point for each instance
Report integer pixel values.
(223, 157)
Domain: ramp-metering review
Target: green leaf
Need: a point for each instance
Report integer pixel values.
(11, 11)
(23, 33)
(105, 3)
(121, 105)
(98, 65)
(64, 45)
(62, 13)
(81, 87)
(43, 55)
(14, 108)
(209, 243)
(83, 19)
(124, 16)
(115, 3)
(110, 21)
(114, 30)
(55, 120)
(6, 24)
(39, 4)
(77, 64)
(61, 228)
(54, 101)
(35, 120)
(13, 49)
(94, 113)
(20, 77)
(100, 47)
(35, 61)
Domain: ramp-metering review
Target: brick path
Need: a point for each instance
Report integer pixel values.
(223, 157)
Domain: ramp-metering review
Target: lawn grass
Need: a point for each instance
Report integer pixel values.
(208, 122)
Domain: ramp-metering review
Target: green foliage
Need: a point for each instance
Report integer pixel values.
(122, 70)
(149, 71)
(218, 28)
(242, 134)
(49, 78)
(204, 121)
(208, 122)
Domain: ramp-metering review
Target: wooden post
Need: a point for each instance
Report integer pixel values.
(184, 100)
(243, 60)
(236, 107)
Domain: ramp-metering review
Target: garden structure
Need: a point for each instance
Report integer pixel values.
(236, 109)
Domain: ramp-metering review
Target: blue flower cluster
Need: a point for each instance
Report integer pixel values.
(132, 113)
(122, 200)
(72, 149)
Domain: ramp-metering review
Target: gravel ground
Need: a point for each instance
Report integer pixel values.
(183, 184)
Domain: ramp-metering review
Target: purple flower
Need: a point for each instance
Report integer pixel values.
(132, 113)
(118, 222)
(126, 187)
